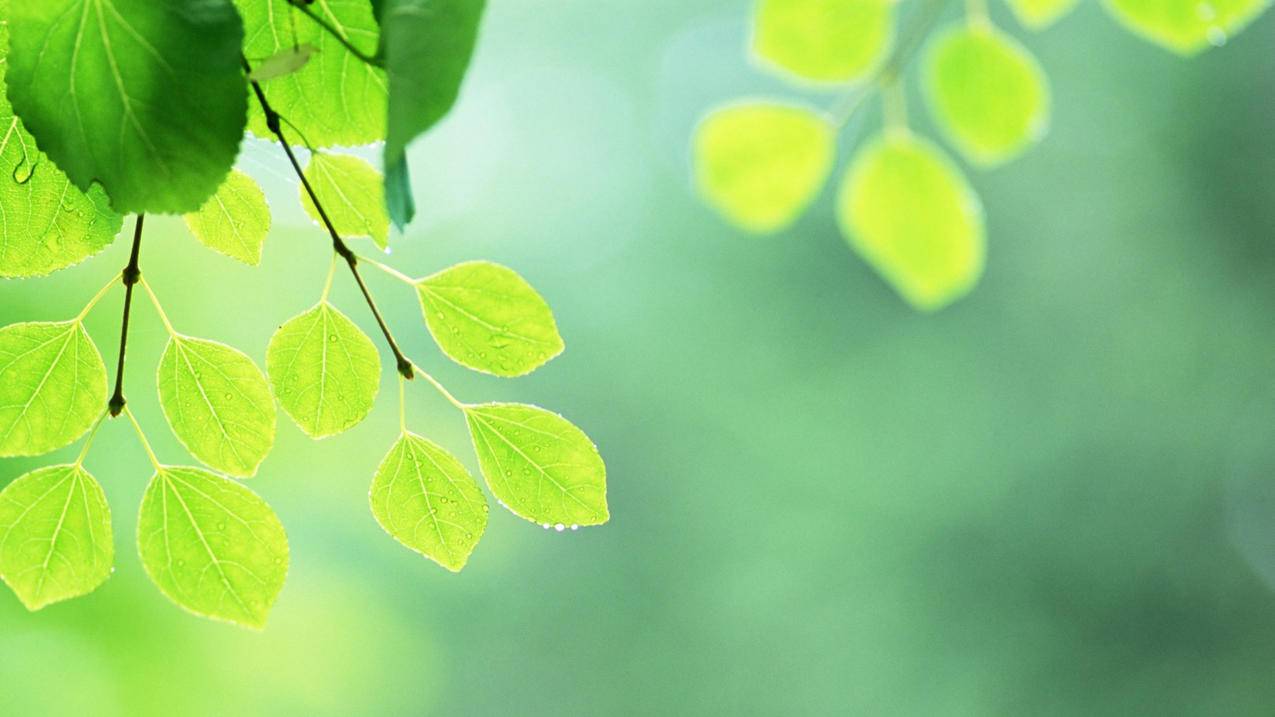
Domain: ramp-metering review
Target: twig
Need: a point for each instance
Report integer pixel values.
(304, 7)
(130, 276)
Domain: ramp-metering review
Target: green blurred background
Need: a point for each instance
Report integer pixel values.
(1056, 497)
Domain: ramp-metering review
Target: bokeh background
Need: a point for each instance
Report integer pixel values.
(1055, 497)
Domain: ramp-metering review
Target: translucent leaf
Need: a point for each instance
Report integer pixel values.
(52, 386)
(55, 535)
(146, 98)
(212, 546)
(824, 40)
(235, 220)
(906, 208)
(1187, 26)
(324, 370)
(761, 164)
(335, 98)
(352, 193)
(988, 93)
(539, 465)
(1040, 14)
(427, 500)
(218, 404)
(284, 62)
(486, 317)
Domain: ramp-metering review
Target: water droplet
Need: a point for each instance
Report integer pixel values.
(1216, 35)
(575, 527)
(545, 526)
(559, 527)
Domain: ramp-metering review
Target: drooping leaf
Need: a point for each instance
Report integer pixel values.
(906, 208)
(824, 40)
(52, 386)
(539, 465)
(426, 46)
(147, 98)
(235, 220)
(398, 193)
(283, 62)
(336, 98)
(325, 371)
(486, 317)
(1040, 14)
(55, 535)
(761, 164)
(218, 404)
(212, 546)
(1187, 26)
(988, 93)
(351, 192)
(426, 500)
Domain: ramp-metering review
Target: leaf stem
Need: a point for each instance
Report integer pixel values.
(327, 285)
(273, 118)
(130, 276)
(88, 442)
(96, 298)
(402, 404)
(304, 7)
(150, 452)
(389, 270)
(446, 394)
(895, 106)
(159, 309)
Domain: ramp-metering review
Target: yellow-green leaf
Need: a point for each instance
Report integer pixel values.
(426, 500)
(351, 192)
(906, 208)
(824, 40)
(1040, 14)
(55, 535)
(988, 93)
(52, 386)
(539, 465)
(486, 317)
(1187, 26)
(762, 163)
(235, 220)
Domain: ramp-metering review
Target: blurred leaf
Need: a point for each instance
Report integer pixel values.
(52, 386)
(324, 370)
(987, 92)
(218, 404)
(539, 465)
(1186, 26)
(761, 164)
(235, 220)
(55, 535)
(906, 208)
(399, 201)
(426, 499)
(284, 62)
(352, 194)
(211, 545)
(1040, 14)
(824, 40)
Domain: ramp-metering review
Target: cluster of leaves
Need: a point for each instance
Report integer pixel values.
(903, 204)
(136, 106)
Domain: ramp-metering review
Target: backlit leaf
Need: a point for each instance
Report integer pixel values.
(486, 317)
(761, 164)
(987, 91)
(324, 370)
(55, 535)
(218, 404)
(284, 62)
(235, 220)
(824, 40)
(1187, 26)
(212, 546)
(426, 499)
(52, 386)
(351, 192)
(906, 208)
(1039, 14)
(146, 98)
(539, 465)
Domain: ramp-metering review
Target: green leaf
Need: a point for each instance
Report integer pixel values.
(146, 98)
(218, 404)
(284, 62)
(988, 93)
(1187, 26)
(235, 220)
(52, 386)
(487, 318)
(212, 546)
(398, 193)
(336, 98)
(761, 163)
(824, 40)
(1040, 14)
(539, 465)
(906, 208)
(351, 192)
(426, 500)
(426, 46)
(55, 535)
(325, 371)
